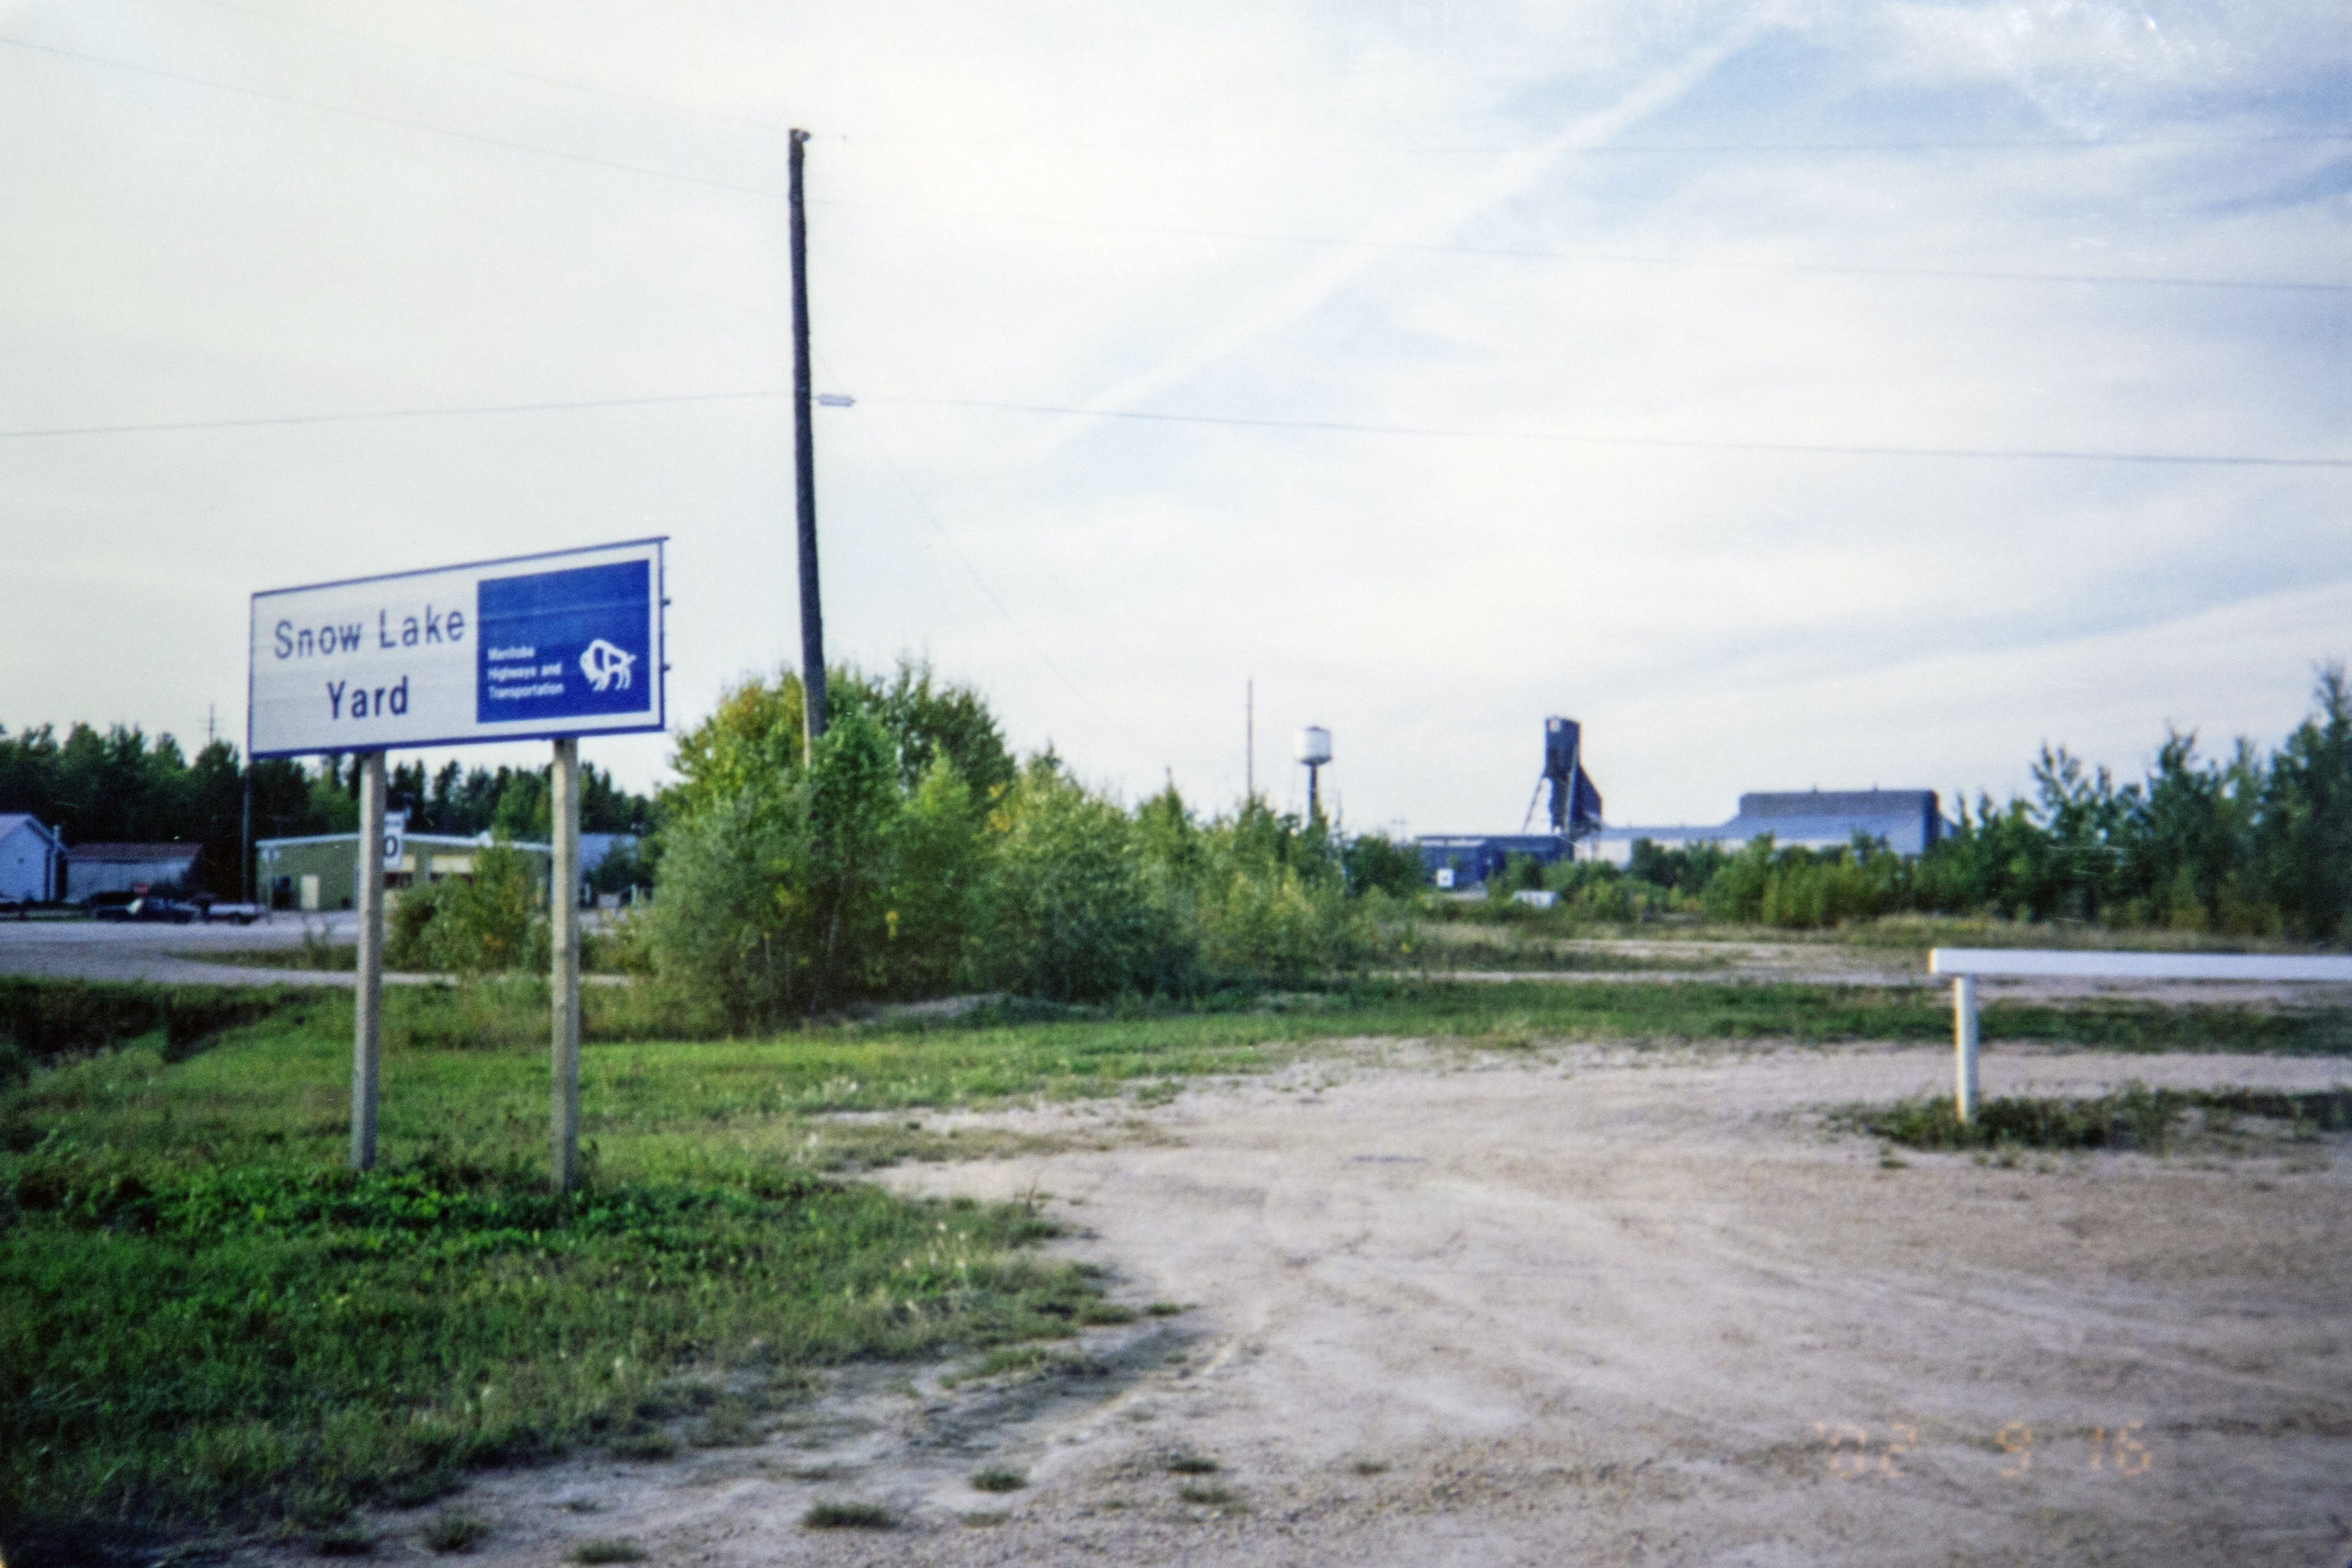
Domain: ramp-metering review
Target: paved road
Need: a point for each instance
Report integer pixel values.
(87, 949)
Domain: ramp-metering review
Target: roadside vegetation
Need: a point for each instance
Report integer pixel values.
(2132, 1117)
(207, 1321)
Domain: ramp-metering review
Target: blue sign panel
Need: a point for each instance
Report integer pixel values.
(570, 644)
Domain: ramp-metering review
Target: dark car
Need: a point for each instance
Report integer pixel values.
(147, 908)
(17, 906)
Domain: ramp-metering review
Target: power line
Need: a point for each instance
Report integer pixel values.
(1627, 258)
(1340, 427)
(1036, 647)
(1802, 448)
(1745, 148)
(372, 118)
(1615, 149)
(565, 406)
(377, 40)
(620, 166)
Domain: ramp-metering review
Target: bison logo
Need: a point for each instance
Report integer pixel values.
(606, 666)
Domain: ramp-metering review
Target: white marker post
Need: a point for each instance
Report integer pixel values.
(368, 999)
(1965, 964)
(1964, 1039)
(549, 647)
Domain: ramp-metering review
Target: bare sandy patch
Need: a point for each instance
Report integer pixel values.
(1591, 1306)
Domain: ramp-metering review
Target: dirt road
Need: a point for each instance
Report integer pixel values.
(1588, 1307)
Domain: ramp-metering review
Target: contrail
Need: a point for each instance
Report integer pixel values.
(1508, 177)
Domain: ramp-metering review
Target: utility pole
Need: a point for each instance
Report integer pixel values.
(804, 461)
(1249, 740)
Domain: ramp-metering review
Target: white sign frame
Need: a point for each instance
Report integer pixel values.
(412, 660)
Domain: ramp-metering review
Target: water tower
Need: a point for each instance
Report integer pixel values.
(1314, 749)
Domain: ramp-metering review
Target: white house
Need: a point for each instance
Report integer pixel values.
(32, 861)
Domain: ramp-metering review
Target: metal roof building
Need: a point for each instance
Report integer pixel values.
(1908, 820)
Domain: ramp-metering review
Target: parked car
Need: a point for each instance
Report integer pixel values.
(209, 908)
(145, 908)
(17, 906)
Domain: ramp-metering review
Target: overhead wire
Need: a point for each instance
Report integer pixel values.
(568, 405)
(930, 515)
(1235, 420)
(1576, 254)
(1508, 252)
(1288, 145)
(1670, 443)
(1246, 421)
(377, 40)
(374, 117)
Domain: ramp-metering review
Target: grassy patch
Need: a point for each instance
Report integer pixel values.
(2133, 1117)
(849, 1516)
(1212, 1495)
(1192, 1464)
(998, 1478)
(608, 1551)
(455, 1530)
(204, 1318)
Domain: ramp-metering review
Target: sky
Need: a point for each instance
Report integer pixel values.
(1797, 394)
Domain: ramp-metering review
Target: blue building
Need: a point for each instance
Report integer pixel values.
(1908, 821)
(1466, 860)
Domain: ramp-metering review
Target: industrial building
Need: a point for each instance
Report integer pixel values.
(1908, 821)
(32, 860)
(1459, 860)
(92, 869)
(321, 871)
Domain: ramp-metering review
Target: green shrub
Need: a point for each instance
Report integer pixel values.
(1076, 918)
(489, 922)
(721, 928)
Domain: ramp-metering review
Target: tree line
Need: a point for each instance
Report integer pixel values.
(120, 787)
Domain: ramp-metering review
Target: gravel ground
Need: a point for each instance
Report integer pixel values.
(1591, 1306)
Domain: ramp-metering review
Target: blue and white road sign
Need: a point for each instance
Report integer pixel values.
(535, 645)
